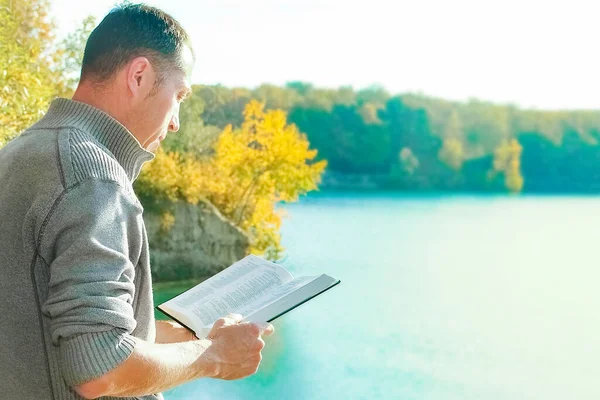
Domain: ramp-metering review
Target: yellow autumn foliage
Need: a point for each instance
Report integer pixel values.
(161, 178)
(167, 220)
(507, 160)
(254, 167)
(33, 67)
(24, 70)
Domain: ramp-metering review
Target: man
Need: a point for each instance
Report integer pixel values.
(76, 288)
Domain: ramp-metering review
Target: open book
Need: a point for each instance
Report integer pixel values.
(257, 289)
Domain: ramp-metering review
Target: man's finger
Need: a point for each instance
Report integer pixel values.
(236, 318)
(266, 329)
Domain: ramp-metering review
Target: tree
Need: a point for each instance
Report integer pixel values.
(507, 161)
(253, 167)
(275, 97)
(374, 94)
(452, 153)
(221, 105)
(408, 161)
(33, 68)
(370, 113)
(345, 139)
(453, 128)
(25, 76)
(302, 88)
(263, 162)
(69, 56)
(194, 136)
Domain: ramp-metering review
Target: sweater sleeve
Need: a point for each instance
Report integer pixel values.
(92, 232)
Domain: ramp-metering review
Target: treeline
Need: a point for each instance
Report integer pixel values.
(411, 142)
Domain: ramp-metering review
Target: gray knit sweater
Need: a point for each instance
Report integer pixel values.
(75, 285)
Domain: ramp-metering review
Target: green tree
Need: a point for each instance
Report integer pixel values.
(276, 97)
(408, 161)
(194, 136)
(374, 94)
(302, 88)
(222, 106)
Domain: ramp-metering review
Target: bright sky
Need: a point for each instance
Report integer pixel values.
(541, 54)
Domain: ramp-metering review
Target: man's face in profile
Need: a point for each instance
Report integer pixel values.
(159, 112)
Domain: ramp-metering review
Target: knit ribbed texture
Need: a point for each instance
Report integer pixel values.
(76, 283)
(90, 122)
(89, 356)
(90, 160)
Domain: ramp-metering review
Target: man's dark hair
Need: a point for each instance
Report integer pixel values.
(134, 30)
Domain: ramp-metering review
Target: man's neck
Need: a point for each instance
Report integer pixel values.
(103, 98)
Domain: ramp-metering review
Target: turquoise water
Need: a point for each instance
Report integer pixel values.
(441, 298)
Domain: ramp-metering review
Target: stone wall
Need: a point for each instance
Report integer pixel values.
(200, 243)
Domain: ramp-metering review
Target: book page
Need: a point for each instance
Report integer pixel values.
(274, 295)
(291, 300)
(227, 291)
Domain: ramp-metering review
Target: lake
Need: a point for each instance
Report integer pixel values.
(441, 298)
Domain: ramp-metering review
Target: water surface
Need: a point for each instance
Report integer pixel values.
(441, 298)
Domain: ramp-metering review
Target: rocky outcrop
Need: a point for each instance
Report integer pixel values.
(201, 242)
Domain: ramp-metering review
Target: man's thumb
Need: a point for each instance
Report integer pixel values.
(266, 328)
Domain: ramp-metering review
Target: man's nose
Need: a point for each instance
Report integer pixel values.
(174, 123)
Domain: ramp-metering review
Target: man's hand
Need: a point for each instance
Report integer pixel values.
(235, 350)
(230, 351)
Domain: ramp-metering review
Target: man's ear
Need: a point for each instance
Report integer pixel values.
(140, 77)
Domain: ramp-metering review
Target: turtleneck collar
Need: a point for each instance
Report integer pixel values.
(108, 131)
